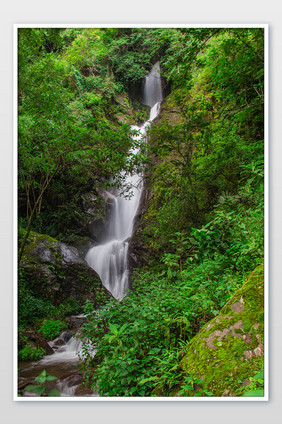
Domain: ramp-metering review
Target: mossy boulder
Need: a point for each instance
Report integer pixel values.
(56, 272)
(229, 349)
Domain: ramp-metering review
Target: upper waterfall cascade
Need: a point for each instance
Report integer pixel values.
(153, 87)
(110, 258)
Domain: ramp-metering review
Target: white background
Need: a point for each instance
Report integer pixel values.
(111, 12)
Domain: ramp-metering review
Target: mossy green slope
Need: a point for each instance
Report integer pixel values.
(230, 348)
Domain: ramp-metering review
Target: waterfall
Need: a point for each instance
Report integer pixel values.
(109, 259)
(153, 87)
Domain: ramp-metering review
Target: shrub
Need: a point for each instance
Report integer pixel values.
(30, 308)
(52, 328)
(31, 353)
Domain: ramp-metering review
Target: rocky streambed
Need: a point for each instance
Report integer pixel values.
(62, 362)
(55, 272)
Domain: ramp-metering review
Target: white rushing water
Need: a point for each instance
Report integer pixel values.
(67, 352)
(153, 87)
(63, 362)
(110, 259)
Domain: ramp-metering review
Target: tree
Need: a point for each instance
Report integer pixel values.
(56, 131)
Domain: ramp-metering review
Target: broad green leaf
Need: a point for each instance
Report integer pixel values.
(254, 393)
(259, 376)
(39, 390)
(54, 392)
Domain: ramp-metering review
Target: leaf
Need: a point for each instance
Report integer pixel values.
(254, 393)
(50, 378)
(41, 378)
(39, 390)
(54, 392)
(145, 380)
(113, 328)
(154, 351)
(259, 376)
(188, 387)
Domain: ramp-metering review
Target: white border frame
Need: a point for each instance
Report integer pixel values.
(266, 217)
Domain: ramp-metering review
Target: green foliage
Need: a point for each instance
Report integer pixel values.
(30, 353)
(70, 306)
(22, 339)
(204, 224)
(210, 129)
(40, 388)
(88, 307)
(140, 341)
(194, 387)
(133, 51)
(52, 328)
(131, 337)
(30, 308)
(21, 233)
(255, 388)
(254, 393)
(67, 125)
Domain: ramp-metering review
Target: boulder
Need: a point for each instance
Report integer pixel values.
(57, 272)
(229, 349)
(23, 382)
(75, 322)
(37, 340)
(72, 380)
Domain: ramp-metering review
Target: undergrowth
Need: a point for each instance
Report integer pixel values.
(140, 341)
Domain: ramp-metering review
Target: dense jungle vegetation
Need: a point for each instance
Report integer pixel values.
(202, 230)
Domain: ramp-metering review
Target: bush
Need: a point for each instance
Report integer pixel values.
(70, 306)
(52, 328)
(139, 341)
(31, 353)
(31, 308)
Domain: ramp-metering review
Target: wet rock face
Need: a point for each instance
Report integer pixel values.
(75, 322)
(57, 272)
(138, 253)
(95, 209)
(96, 227)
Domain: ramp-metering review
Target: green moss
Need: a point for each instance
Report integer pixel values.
(229, 348)
(34, 240)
